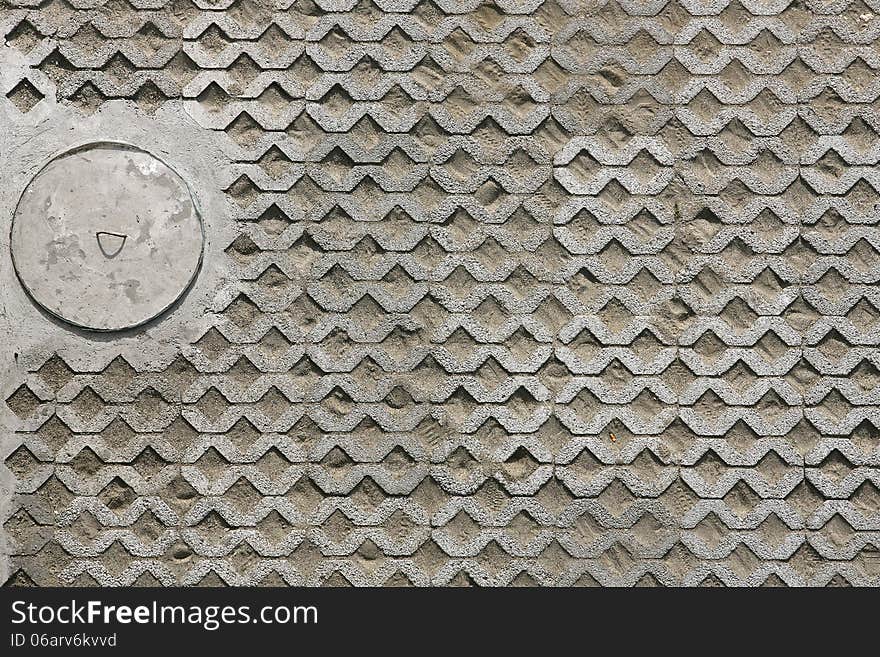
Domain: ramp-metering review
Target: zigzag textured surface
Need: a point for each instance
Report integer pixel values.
(524, 293)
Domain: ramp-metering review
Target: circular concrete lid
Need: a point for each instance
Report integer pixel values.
(106, 237)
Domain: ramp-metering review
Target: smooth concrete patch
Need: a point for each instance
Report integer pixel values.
(106, 237)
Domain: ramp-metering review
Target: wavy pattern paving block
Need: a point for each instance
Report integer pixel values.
(527, 293)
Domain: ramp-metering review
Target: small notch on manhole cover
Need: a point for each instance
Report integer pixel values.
(110, 243)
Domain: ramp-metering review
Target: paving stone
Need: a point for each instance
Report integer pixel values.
(498, 293)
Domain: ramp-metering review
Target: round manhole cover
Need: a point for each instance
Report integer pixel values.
(106, 237)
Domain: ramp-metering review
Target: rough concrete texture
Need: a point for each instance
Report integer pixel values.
(496, 293)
